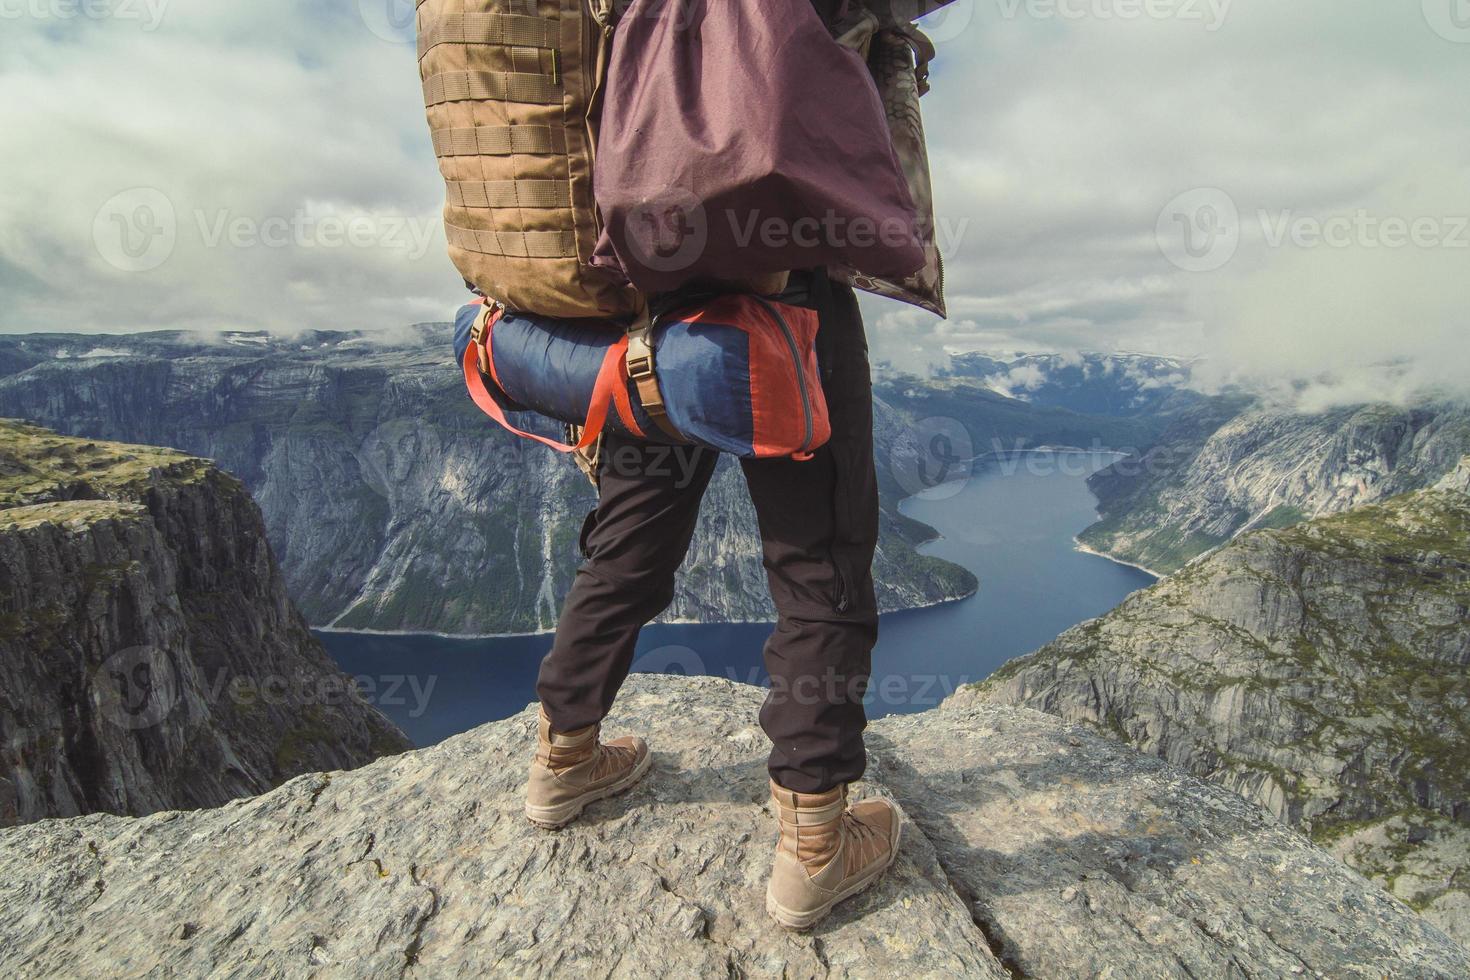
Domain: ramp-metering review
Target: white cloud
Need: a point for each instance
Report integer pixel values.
(1058, 133)
(287, 140)
(1073, 133)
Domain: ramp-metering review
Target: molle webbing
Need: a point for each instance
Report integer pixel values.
(516, 244)
(508, 85)
(510, 30)
(499, 141)
(508, 194)
(499, 86)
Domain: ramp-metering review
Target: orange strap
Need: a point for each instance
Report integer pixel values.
(611, 386)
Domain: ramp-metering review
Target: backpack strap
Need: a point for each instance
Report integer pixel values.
(611, 380)
(639, 346)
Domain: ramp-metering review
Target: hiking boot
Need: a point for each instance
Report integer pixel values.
(828, 852)
(573, 769)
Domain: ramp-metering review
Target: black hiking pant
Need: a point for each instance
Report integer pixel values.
(819, 528)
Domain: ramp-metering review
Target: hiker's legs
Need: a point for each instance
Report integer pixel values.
(634, 541)
(819, 529)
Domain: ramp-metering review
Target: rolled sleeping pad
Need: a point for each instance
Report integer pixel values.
(737, 373)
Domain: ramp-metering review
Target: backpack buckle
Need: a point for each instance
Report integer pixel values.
(640, 367)
(480, 333)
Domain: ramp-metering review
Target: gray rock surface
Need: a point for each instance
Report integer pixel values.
(1322, 671)
(149, 656)
(1080, 858)
(392, 502)
(1220, 470)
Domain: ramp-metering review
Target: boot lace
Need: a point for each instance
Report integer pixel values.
(612, 759)
(864, 842)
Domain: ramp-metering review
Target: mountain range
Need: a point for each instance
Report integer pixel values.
(394, 505)
(1117, 384)
(1231, 464)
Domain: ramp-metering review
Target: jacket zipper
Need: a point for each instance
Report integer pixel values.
(842, 600)
(939, 261)
(806, 401)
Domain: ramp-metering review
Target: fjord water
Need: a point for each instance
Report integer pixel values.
(1011, 522)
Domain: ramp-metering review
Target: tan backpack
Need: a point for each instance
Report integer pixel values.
(511, 87)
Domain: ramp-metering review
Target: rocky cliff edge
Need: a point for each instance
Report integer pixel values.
(1033, 848)
(149, 656)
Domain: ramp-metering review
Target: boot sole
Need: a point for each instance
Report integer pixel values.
(556, 817)
(799, 921)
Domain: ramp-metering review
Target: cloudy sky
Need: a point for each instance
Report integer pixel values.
(1282, 187)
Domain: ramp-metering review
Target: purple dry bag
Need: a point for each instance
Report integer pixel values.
(738, 138)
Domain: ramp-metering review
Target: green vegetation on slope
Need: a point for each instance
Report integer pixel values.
(38, 466)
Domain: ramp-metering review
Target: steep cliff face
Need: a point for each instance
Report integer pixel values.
(149, 656)
(1321, 670)
(1032, 848)
(1225, 467)
(392, 502)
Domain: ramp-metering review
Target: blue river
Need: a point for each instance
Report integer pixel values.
(1011, 522)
